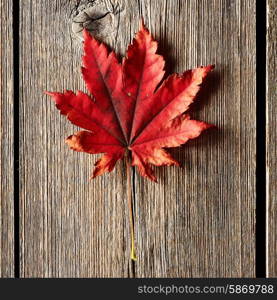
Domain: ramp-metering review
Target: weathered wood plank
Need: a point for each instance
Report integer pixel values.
(70, 226)
(198, 221)
(6, 147)
(271, 139)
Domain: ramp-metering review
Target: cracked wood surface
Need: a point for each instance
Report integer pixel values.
(198, 221)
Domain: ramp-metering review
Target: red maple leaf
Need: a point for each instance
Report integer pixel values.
(128, 110)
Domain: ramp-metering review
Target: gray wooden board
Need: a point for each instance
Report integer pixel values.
(6, 144)
(199, 220)
(271, 139)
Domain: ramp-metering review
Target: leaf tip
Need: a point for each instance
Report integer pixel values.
(208, 69)
(152, 177)
(91, 177)
(209, 126)
(49, 93)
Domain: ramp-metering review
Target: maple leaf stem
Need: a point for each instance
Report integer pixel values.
(130, 205)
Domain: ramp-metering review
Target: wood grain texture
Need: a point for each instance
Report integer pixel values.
(6, 144)
(70, 226)
(271, 138)
(199, 220)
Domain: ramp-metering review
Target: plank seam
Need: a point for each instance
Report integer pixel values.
(261, 139)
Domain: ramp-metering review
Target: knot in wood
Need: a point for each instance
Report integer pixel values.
(97, 17)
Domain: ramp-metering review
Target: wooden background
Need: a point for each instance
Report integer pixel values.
(6, 144)
(271, 135)
(198, 221)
